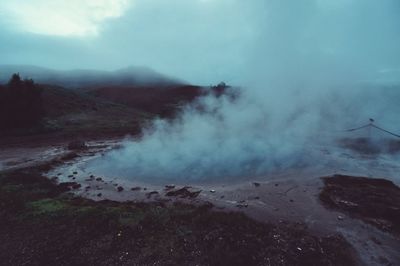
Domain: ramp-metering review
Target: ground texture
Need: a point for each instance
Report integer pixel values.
(375, 201)
(42, 224)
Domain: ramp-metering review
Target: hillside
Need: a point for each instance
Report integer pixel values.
(73, 111)
(83, 78)
(104, 112)
(72, 114)
(98, 109)
(164, 102)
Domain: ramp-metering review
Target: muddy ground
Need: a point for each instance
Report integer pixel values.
(375, 201)
(43, 224)
(83, 220)
(53, 212)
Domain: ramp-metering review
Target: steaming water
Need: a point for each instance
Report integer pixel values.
(243, 138)
(310, 161)
(237, 139)
(314, 162)
(312, 69)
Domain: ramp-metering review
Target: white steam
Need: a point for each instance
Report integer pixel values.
(311, 72)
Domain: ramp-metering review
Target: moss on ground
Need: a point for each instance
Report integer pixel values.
(47, 206)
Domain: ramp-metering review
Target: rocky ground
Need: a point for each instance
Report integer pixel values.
(42, 224)
(375, 201)
(76, 218)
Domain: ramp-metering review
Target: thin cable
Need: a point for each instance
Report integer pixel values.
(372, 125)
(384, 130)
(358, 128)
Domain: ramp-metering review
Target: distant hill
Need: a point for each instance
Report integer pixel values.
(164, 102)
(81, 78)
(106, 102)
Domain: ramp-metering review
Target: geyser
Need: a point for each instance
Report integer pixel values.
(315, 68)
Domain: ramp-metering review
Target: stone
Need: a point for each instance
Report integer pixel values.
(183, 193)
(169, 186)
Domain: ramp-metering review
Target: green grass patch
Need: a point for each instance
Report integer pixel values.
(47, 206)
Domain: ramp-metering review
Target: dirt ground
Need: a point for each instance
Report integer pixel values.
(41, 224)
(375, 201)
(52, 212)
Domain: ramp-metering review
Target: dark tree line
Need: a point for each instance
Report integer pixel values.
(21, 103)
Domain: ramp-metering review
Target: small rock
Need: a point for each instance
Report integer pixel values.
(99, 179)
(183, 193)
(291, 200)
(99, 195)
(151, 194)
(222, 197)
(170, 186)
(256, 184)
(212, 190)
(75, 173)
(135, 188)
(276, 185)
(340, 217)
(120, 189)
(70, 176)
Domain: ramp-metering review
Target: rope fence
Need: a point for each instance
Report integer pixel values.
(371, 124)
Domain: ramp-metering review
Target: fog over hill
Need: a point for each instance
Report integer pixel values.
(78, 78)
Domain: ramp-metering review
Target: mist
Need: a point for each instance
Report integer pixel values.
(306, 70)
(314, 69)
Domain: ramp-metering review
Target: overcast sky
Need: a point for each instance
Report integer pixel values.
(203, 41)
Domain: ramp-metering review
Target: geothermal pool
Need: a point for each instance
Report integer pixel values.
(289, 193)
(309, 162)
